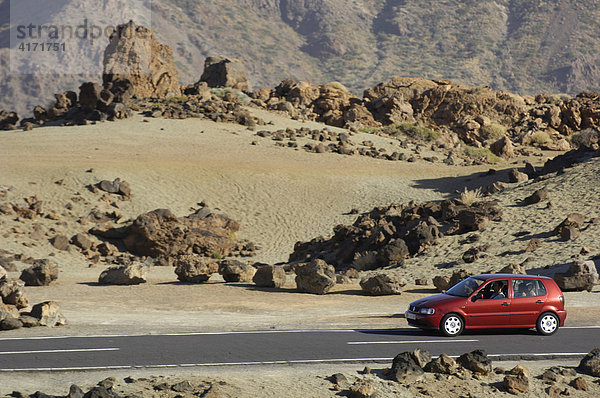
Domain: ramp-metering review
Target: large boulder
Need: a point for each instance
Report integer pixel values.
(2, 274)
(160, 233)
(476, 361)
(132, 274)
(236, 271)
(590, 364)
(41, 273)
(516, 384)
(269, 276)
(570, 227)
(48, 314)
(409, 365)
(316, 277)
(442, 364)
(383, 284)
(581, 275)
(192, 268)
(133, 53)
(503, 148)
(11, 292)
(225, 72)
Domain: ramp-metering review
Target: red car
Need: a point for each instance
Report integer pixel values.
(492, 301)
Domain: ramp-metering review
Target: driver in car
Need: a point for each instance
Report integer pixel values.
(496, 292)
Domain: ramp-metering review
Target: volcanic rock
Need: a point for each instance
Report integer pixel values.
(590, 364)
(362, 388)
(503, 148)
(515, 175)
(160, 233)
(441, 282)
(516, 384)
(133, 53)
(316, 277)
(382, 284)
(61, 242)
(236, 271)
(192, 268)
(269, 276)
(476, 361)
(442, 364)
(41, 273)
(225, 72)
(536, 197)
(407, 365)
(11, 292)
(581, 275)
(48, 314)
(132, 274)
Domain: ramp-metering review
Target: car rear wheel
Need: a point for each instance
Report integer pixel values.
(452, 325)
(547, 323)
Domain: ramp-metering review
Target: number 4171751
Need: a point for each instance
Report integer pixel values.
(30, 47)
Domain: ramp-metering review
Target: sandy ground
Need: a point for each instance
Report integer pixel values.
(280, 196)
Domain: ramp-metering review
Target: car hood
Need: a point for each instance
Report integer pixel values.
(436, 300)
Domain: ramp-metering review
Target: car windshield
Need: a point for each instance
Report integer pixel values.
(465, 287)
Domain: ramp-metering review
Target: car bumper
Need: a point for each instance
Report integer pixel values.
(562, 315)
(422, 321)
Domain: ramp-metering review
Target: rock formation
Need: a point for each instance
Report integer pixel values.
(134, 54)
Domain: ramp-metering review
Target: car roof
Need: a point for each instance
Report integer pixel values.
(488, 277)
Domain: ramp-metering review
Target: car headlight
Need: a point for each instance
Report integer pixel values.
(427, 311)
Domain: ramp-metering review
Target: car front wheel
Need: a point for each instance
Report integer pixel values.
(452, 325)
(547, 323)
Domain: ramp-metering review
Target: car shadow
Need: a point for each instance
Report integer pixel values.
(437, 333)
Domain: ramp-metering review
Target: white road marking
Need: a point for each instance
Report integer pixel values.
(194, 334)
(408, 342)
(58, 351)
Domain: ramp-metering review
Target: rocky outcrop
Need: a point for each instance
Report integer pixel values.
(476, 361)
(443, 364)
(133, 53)
(48, 314)
(116, 186)
(236, 271)
(581, 275)
(382, 284)
(516, 384)
(132, 274)
(41, 273)
(385, 236)
(192, 268)
(12, 293)
(160, 233)
(316, 277)
(331, 104)
(269, 276)
(225, 72)
(590, 364)
(409, 365)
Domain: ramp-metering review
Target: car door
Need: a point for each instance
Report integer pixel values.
(527, 304)
(486, 311)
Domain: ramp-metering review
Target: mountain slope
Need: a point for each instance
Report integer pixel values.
(523, 46)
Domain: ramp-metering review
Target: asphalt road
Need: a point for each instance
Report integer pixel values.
(274, 347)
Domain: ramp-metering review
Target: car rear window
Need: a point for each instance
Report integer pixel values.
(528, 288)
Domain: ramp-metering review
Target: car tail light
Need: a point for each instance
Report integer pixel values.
(562, 300)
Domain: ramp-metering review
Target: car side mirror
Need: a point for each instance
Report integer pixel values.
(476, 297)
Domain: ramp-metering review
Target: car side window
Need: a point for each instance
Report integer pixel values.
(494, 290)
(528, 288)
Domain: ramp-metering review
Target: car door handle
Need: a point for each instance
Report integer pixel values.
(540, 302)
(505, 304)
